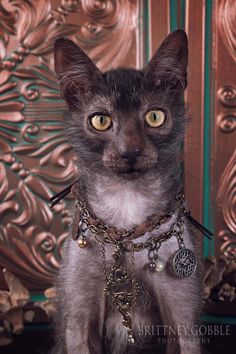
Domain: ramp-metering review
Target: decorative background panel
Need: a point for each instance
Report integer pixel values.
(195, 27)
(35, 159)
(224, 158)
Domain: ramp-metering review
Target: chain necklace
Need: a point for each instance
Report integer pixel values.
(120, 284)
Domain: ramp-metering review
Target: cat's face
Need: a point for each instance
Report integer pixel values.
(125, 123)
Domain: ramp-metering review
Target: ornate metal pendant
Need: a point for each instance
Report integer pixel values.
(155, 265)
(184, 263)
(80, 234)
(122, 290)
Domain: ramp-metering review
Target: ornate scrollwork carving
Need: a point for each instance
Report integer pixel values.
(227, 96)
(227, 25)
(35, 158)
(228, 247)
(226, 193)
(227, 202)
(227, 122)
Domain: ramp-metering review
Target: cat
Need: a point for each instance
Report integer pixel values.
(126, 127)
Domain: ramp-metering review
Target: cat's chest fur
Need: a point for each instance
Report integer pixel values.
(125, 204)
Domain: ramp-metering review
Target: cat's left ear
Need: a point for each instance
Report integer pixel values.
(169, 63)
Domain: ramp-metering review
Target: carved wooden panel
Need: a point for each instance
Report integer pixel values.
(224, 158)
(35, 158)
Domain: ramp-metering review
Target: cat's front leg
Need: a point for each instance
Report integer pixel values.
(84, 325)
(180, 301)
(82, 303)
(76, 339)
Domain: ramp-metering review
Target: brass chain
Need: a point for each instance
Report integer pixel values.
(102, 228)
(133, 278)
(101, 231)
(104, 265)
(119, 271)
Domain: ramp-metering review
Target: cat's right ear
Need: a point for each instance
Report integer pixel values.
(76, 72)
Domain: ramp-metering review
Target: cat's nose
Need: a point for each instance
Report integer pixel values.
(131, 156)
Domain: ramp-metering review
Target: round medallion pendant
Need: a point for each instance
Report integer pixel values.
(184, 263)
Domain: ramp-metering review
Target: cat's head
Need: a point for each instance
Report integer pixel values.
(125, 122)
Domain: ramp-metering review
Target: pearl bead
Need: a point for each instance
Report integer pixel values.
(82, 242)
(159, 266)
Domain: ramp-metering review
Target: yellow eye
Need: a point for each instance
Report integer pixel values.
(101, 122)
(155, 118)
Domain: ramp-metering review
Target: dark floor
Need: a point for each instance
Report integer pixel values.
(39, 339)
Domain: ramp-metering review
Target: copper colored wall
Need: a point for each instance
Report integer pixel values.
(224, 127)
(35, 159)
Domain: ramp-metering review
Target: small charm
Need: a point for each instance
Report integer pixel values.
(122, 290)
(82, 242)
(80, 236)
(184, 263)
(130, 339)
(155, 265)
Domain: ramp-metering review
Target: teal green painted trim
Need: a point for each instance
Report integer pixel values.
(183, 14)
(219, 319)
(177, 20)
(39, 297)
(208, 246)
(146, 17)
(173, 15)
